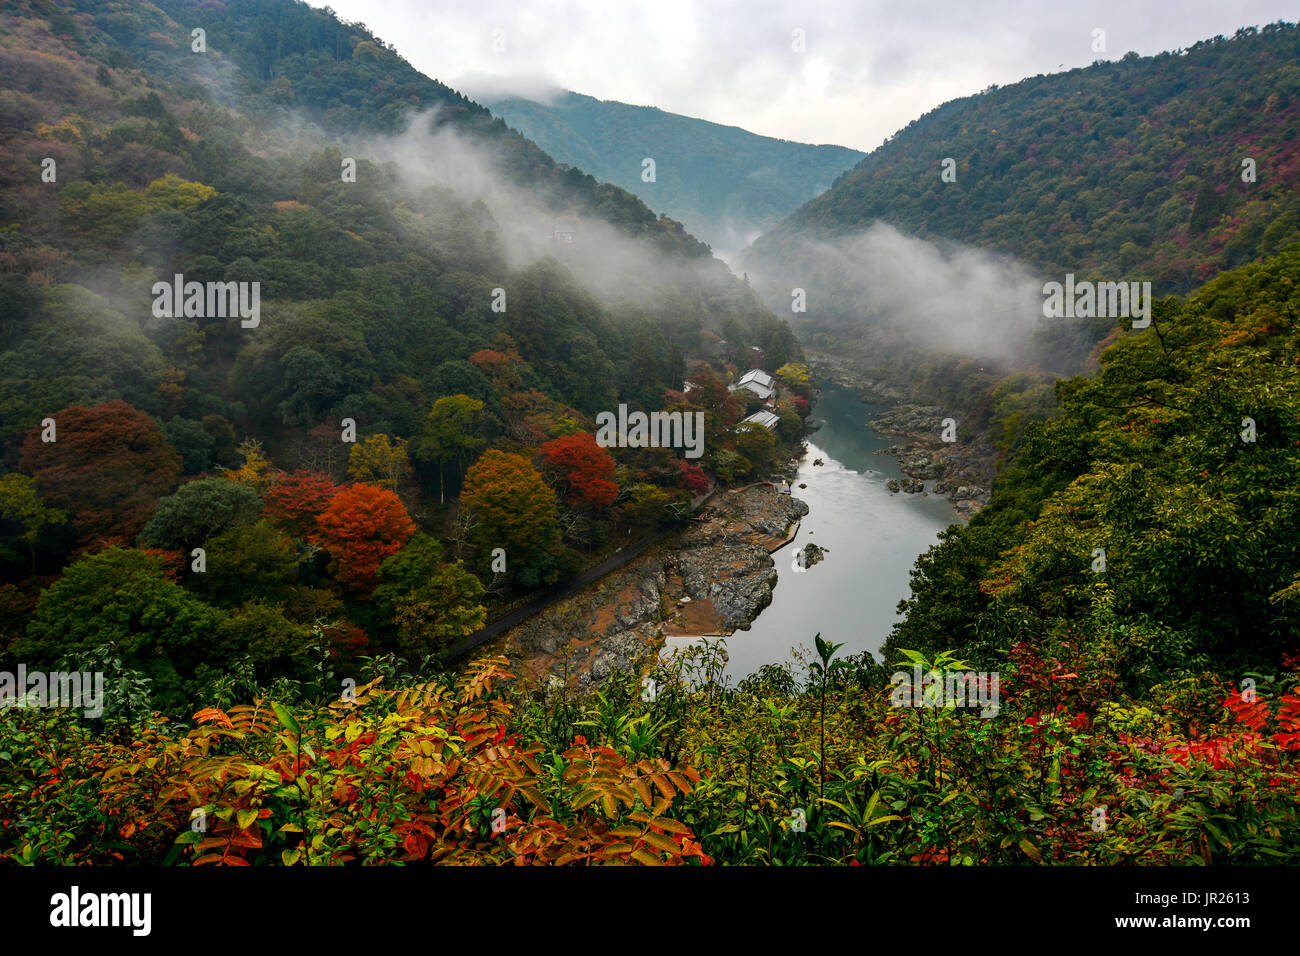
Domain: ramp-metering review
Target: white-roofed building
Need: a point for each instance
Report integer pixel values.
(767, 419)
(756, 381)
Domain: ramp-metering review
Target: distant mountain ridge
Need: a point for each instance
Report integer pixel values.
(724, 183)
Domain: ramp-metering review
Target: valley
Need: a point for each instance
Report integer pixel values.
(411, 480)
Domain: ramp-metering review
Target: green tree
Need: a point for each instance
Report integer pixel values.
(248, 562)
(756, 444)
(451, 433)
(275, 645)
(432, 603)
(193, 442)
(78, 351)
(200, 509)
(123, 596)
(647, 504)
(22, 506)
(310, 384)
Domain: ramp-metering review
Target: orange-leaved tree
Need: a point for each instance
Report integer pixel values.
(514, 509)
(360, 527)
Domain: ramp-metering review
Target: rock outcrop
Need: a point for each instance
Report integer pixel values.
(726, 559)
(811, 554)
(715, 577)
(961, 470)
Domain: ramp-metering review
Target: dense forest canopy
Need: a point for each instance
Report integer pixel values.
(1127, 168)
(1180, 461)
(408, 322)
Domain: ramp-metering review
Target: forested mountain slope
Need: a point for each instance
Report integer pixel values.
(1130, 168)
(1178, 466)
(409, 380)
(286, 68)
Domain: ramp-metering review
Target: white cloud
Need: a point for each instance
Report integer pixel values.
(870, 67)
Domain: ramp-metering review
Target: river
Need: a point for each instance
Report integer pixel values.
(872, 539)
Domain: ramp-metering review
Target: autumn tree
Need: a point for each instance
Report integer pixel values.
(254, 471)
(295, 501)
(795, 375)
(172, 192)
(500, 368)
(360, 527)
(379, 461)
(721, 407)
(515, 510)
(107, 466)
(693, 478)
(584, 467)
(451, 435)
(532, 417)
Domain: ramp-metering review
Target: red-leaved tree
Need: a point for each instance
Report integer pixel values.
(585, 469)
(296, 500)
(107, 467)
(694, 479)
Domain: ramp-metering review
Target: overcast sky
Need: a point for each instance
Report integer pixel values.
(868, 67)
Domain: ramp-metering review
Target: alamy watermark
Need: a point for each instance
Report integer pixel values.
(72, 689)
(128, 910)
(653, 430)
(1098, 300)
(946, 689)
(210, 300)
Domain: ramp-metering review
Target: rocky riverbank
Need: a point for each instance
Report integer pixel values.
(713, 578)
(961, 470)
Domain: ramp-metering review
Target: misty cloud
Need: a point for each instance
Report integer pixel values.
(611, 264)
(948, 298)
(485, 87)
